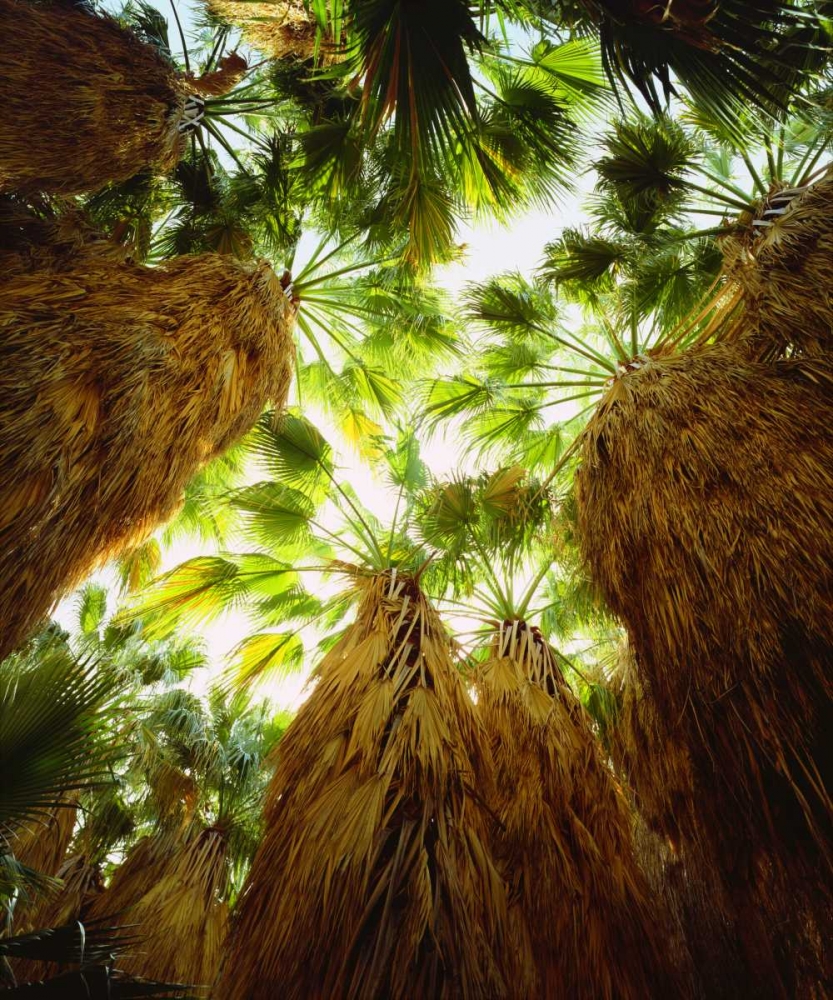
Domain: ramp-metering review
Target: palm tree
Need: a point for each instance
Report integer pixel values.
(562, 828)
(204, 774)
(99, 112)
(84, 480)
(681, 483)
(376, 800)
(633, 368)
(57, 712)
(727, 56)
(280, 28)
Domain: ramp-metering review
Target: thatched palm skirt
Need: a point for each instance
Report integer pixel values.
(705, 503)
(118, 382)
(84, 101)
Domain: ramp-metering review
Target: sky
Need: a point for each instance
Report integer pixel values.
(490, 249)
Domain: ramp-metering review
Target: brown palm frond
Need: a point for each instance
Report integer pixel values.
(118, 383)
(374, 879)
(43, 844)
(181, 921)
(783, 265)
(281, 29)
(563, 837)
(230, 71)
(82, 883)
(85, 102)
(49, 242)
(139, 872)
(704, 507)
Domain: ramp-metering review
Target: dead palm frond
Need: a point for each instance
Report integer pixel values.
(563, 832)
(181, 921)
(703, 503)
(42, 842)
(280, 28)
(135, 876)
(81, 883)
(119, 383)
(376, 835)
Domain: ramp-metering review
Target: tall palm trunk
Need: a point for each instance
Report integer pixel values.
(563, 834)
(706, 520)
(176, 912)
(373, 879)
(784, 268)
(85, 102)
(118, 383)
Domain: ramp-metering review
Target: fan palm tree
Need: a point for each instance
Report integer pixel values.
(57, 715)
(428, 823)
(86, 489)
(102, 112)
(561, 825)
(625, 366)
(203, 772)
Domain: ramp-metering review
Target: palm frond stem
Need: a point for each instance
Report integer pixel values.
(750, 166)
(181, 37)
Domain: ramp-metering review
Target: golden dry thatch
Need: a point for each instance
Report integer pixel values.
(118, 383)
(374, 879)
(704, 507)
(702, 935)
(49, 243)
(783, 264)
(181, 921)
(653, 759)
(281, 29)
(85, 102)
(42, 844)
(82, 883)
(563, 838)
(141, 869)
(230, 71)
(168, 894)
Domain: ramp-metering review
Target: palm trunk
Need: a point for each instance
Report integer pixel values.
(85, 102)
(374, 879)
(174, 907)
(784, 269)
(563, 835)
(705, 516)
(118, 383)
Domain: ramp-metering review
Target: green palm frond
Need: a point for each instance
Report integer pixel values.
(727, 57)
(55, 711)
(413, 61)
